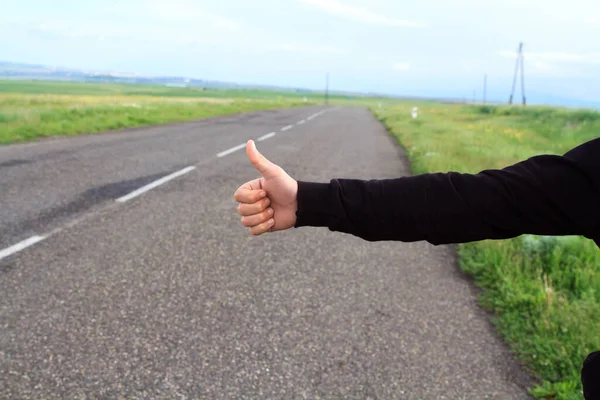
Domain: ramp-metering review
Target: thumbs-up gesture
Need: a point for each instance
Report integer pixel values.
(268, 203)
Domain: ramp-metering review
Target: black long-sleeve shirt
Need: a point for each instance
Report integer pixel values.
(546, 195)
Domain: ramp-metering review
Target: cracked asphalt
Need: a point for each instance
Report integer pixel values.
(167, 296)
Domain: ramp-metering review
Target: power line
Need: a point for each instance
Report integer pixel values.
(522, 77)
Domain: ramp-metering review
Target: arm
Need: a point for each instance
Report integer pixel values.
(549, 195)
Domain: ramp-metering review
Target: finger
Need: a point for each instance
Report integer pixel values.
(262, 228)
(264, 166)
(246, 209)
(255, 184)
(244, 195)
(257, 219)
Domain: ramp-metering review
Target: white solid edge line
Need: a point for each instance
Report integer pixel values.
(301, 122)
(20, 246)
(267, 136)
(154, 184)
(231, 150)
(286, 128)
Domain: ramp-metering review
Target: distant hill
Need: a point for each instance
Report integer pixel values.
(12, 70)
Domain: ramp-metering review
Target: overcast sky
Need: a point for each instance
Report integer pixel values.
(424, 47)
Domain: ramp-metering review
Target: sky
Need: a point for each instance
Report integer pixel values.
(401, 47)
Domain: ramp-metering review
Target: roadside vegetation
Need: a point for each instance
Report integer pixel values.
(544, 291)
(30, 110)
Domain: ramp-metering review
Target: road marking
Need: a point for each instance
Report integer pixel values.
(154, 184)
(310, 117)
(231, 150)
(301, 122)
(267, 136)
(21, 246)
(286, 128)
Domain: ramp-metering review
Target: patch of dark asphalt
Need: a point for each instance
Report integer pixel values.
(50, 218)
(13, 163)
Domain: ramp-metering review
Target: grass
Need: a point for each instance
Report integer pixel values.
(544, 291)
(31, 110)
(113, 89)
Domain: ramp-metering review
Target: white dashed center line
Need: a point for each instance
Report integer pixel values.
(20, 246)
(38, 238)
(154, 184)
(231, 150)
(267, 136)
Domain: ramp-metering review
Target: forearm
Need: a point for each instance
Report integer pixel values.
(547, 195)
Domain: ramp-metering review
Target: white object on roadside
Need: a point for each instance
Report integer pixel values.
(415, 112)
(305, 99)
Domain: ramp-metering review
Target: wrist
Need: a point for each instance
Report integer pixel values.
(295, 203)
(312, 204)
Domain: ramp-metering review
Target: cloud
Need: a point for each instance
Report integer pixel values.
(542, 66)
(590, 20)
(54, 30)
(359, 14)
(303, 48)
(401, 66)
(547, 69)
(174, 11)
(106, 32)
(558, 57)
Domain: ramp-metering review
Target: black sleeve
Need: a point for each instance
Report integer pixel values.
(548, 195)
(590, 376)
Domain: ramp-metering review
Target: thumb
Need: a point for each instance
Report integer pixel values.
(264, 166)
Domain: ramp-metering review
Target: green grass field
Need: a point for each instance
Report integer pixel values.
(544, 291)
(113, 89)
(31, 110)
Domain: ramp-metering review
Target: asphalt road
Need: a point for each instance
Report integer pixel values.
(166, 296)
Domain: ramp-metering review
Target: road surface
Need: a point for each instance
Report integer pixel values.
(107, 294)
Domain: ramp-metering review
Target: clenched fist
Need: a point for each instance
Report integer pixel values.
(269, 203)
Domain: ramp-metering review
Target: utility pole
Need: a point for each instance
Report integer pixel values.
(522, 77)
(517, 65)
(327, 89)
(484, 88)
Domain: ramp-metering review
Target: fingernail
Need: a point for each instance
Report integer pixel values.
(263, 194)
(271, 221)
(270, 211)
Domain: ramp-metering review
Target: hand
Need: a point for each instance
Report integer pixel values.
(269, 203)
